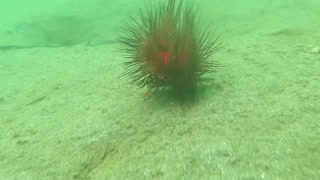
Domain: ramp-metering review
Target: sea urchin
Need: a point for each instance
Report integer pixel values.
(168, 47)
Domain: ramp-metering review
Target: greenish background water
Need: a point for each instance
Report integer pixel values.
(66, 114)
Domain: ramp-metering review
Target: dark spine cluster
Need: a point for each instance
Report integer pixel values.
(168, 47)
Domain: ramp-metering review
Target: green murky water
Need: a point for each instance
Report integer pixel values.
(65, 112)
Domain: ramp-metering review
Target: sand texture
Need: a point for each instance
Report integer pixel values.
(65, 112)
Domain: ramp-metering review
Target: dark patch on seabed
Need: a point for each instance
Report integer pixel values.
(14, 47)
(58, 31)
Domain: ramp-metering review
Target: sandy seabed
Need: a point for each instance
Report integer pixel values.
(66, 114)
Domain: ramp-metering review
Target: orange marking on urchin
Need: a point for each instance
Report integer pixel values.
(164, 56)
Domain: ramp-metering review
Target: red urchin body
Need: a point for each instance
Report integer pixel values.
(167, 49)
